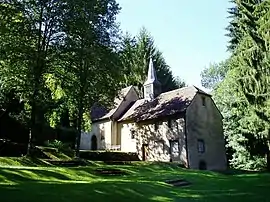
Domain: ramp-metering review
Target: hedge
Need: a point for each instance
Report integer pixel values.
(109, 155)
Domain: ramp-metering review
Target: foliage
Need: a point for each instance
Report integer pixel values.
(89, 54)
(108, 156)
(237, 117)
(234, 32)
(31, 31)
(242, 93)
(58, 145)
(58, 57)
(252, 69)
(135, 53)
(214, 74)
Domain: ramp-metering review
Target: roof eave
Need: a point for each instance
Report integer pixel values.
(158, 117)
(100, 119)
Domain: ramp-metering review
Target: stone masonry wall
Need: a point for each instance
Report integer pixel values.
(156, 134)
(204, 122)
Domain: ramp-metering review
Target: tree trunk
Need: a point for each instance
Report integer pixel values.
(78, 140)
(32, 123)
(268, 161)
(268, 158)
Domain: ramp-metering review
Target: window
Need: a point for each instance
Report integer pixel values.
(169, 123)
(174, 146)
(203, 101)
(102, 135)
(201, 146)
(156, 125)
(132, 132)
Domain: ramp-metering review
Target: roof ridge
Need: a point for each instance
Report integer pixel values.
(199, 90)
(128, 87)
(178, 89)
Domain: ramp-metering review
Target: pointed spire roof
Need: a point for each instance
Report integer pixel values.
(152, 76)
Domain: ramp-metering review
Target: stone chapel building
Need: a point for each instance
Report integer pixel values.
(182, 125)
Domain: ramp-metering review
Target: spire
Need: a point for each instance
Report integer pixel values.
(152, 76)
(152, 86)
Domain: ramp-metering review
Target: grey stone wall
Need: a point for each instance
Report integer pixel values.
(204, 122)
(158, 139)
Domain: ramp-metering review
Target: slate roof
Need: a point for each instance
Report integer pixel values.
(169, 103)
(100, 113)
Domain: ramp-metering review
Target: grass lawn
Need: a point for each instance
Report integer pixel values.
(145, 182)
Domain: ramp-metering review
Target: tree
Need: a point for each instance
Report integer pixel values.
(233, 28)
(237, 118)
(91, 65)
(235, 33)
(31, 31)
(214, 74)
(135, 54)
(59, 56)
(252, 56)
(243, 94)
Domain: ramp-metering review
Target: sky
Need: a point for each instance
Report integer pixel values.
(190, 34)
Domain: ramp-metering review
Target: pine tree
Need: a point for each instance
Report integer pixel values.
(135, 54)
(252, 68)
(233, 28)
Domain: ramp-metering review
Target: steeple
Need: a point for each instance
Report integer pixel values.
(152, 86)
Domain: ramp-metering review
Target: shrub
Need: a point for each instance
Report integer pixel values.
(66, 135)
(58, 145)
(109, 156)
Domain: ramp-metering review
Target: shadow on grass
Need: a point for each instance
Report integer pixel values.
(118, 190)
(19, 175)
(97, 191)
(145, 183)
(22, 161)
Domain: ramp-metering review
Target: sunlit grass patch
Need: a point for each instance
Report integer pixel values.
(145, 182)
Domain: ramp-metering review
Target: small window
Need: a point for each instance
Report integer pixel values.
(201, 146)
(174, 146)
(169, 123)
(132, 132)
(157, 125)
(203, 101)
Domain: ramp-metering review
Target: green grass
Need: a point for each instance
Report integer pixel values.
(144, 183)
(22, 161)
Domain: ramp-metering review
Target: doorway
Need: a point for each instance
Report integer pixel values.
(144, 152)
(202, 165)
(94, 143)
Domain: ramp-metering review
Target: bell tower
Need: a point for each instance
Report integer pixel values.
(152, 87)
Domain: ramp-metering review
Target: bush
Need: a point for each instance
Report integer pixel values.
(60, 146)
(42, 133)
(109, 156)
(66, 135)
